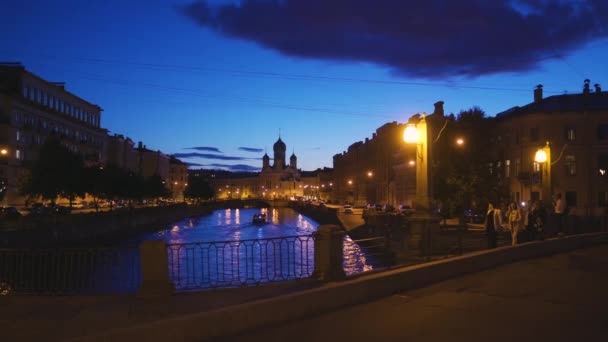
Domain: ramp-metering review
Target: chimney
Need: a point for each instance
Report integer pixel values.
(438, 108)
(538, 93)
(598, 89)
(586, 87)
(139, 145)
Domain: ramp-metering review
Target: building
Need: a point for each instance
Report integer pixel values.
(378, 170)
(33, 110)
(120, 152)
(178, 178)
(279, 180)
(151, 163)
(576, 127)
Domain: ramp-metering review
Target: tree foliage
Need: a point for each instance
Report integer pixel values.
(462, 174)
(198, 188)
(57, 172)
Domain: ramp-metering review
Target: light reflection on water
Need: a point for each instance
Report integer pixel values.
(236, 224)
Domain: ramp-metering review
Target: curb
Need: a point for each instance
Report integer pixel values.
(239, 318)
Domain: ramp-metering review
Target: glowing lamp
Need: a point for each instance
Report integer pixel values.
(410, 134)
(540, 156)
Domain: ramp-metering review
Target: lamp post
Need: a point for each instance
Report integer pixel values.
(543, 157)
(417, 134)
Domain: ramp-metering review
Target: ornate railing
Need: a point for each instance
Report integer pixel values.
(69, 270)
(239, 263)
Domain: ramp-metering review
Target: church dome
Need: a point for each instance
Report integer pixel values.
(266, 156)
(279, 146)
(293, 156)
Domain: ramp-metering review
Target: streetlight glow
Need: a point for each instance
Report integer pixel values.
(460, 141)
(3, 151)
(370, 174)
(411, 134)
(350, 182)
(540, 156)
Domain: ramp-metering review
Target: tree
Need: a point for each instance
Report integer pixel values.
(154, 187)
(57, 172)
(198, 188)
(462, 176)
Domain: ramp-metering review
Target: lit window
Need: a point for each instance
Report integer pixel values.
(570, 162)
(18, 154)
(536, 167)
(507, 168)
(570, 134)
(18, 135)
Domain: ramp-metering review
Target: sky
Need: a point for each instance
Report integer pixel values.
(216, 82)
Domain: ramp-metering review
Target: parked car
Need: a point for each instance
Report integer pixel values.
(9, 213)
(406, 209)
(472, 216)
(388, 208)
(348, 209)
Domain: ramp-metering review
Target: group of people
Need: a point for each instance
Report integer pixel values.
(528, 225)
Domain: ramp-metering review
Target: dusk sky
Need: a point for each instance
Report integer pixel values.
(213, 82)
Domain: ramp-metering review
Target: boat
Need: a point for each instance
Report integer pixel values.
(259, 218)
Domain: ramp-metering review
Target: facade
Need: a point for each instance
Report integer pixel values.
(120, 152)
(33, 110)
(576, 127)
(279, 180)
(178, 178)
(378, 170)
(151, 163)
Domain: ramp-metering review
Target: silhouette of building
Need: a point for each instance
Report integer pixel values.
(576, 126)
(33, 110)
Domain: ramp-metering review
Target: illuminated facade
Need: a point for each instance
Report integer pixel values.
(576, 126)
(33, 110)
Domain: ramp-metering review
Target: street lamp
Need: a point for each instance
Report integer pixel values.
(3, 151)
(417, 134)
(543, 157)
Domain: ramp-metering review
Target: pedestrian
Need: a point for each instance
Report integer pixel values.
(558, 209)
(514, 221)
(492, 222)
(530, 222)
(540, 220)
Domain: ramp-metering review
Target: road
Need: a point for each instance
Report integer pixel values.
(558, 298)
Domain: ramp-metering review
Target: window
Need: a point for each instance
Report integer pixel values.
(570, 134)
(602, 199)
(44, 99)
(26, 91)
(33, 94)
(602, 132)
(534, 134)
(18, 154)
(570, 198)
(536, 167)
(570, 162)
(18, 135)
(517, 167)
(534, 195)
(507, 168)
(602, 165)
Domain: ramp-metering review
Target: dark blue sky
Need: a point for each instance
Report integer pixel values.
(215, 84)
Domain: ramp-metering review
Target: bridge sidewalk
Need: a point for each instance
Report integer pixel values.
(57, 318)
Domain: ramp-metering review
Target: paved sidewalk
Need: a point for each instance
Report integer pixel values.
(558, 298)
(48, 318)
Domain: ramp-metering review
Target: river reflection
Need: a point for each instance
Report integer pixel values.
(236, 224)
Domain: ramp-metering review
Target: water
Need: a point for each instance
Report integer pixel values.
(235, 224)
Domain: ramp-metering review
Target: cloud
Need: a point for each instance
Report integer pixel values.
(193, 164)
(251, 149)
(430, 39)
(237, 167)
(211, 156)
(204, 148)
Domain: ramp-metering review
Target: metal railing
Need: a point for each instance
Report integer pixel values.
(363, 255)
(69, 270)
(239, 263)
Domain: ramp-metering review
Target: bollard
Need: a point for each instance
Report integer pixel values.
(154, 270)
(328, 253)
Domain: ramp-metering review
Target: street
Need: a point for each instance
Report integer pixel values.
(557, 298)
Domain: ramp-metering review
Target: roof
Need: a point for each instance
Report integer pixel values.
(561, 103)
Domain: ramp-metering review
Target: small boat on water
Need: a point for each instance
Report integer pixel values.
(259, 218)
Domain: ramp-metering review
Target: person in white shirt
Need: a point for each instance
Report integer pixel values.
(514, 221)
(559, 208)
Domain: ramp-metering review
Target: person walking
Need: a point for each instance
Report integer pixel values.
(540, 220)
(514, 220)
(492, 222)
(558, 209)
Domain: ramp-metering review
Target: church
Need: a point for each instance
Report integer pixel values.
(276, 180)
(280, 179)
